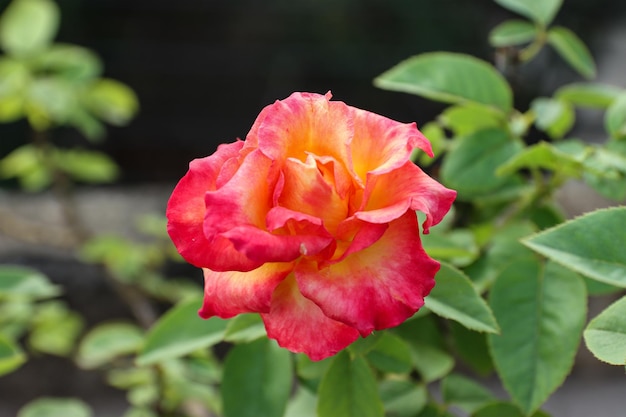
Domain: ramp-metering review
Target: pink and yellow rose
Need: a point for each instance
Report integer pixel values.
(311, 222)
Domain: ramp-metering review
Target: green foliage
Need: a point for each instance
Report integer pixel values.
(512, 32)
(540, 11)
(605, 335)
(106, 342)
(573, 50)
(11, 356)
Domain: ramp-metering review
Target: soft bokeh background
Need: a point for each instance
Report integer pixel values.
(203, 70)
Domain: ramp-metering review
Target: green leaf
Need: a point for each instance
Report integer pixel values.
(11, 356)
(55, 328)
(50, 101)
(349, 389)
(108, 341)
(545, 156)
(470, 167)
(26, 164)
(593, 95)
(55, 407)
(468, 118)
(87, 166)
(70, 61)
(605, 335)
(464, 393)
(456, 246)
(303, 404)
(540, 11)
(501, 409)
(390, 354)
(541, 310)
(591, 245)
(28, 26)
(180, 331)
(402, 398)
(512, 32)
(472, 348)
(615, 117)
(572, 50)
(244, 328)
(455, 298)
(112, 101)
(450, 78)
(553, 116)
(437, 138)
(257, 380)
(311, 372)
(431, 362)
(26, 283)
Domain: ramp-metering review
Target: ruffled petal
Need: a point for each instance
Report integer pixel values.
(304, 123)
(299, 325)
(186, 210)
(227, 294)
(380, 144)
(378, 287)
(388, 196)
(306, 189)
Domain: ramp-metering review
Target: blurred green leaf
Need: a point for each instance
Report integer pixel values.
(553, 116)
(450, 78)
(26, 164)
(349, 389)
(180, 331)
(470, 117)
(108, 341)
(23, 282)
(511, 33)
(11, 356)
(540, 11)
(455, 298)
(471, 347)
(594, 95)
(470, 166)
(87, 166)
(438, 141)
(257, 380)
(572, 50)
(591, 245)
(431, 362)
(302, 404)
(456, 246)
(28, 26)
(464, 393)
(542, 331)
(605, 335)
(244, 328)
(390, 354)
(50, 101)
(545, 156)
(501, 409)
(14, 78)
(55, 329)
(69, 61)
(112, 101)
(402, 398)
(55, 407)
(311, 372)
(615, 117)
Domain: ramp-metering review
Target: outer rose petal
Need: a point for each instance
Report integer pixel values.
(186, 210)
(380, 144)
(388, 196)
(304, 123)
(299, 325)
(378, 287)
(227, 294)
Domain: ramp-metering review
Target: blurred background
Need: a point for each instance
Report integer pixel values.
(203, 69)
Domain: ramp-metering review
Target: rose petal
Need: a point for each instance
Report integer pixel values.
(378, 287)
(304, 123)
(227, 294)
(186, 210)
(306, 190)
(380, 144)
(388, 196)
(299, 325)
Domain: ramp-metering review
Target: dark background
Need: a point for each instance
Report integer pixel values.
(203, 69)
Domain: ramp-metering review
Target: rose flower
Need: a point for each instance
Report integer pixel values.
(311, 222)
